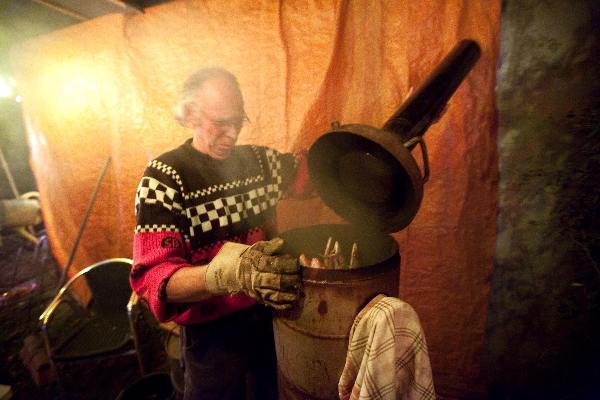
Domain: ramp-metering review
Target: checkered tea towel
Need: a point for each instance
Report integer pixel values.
(387, 354)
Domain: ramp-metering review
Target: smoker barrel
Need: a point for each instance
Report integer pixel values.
(312, 339)
(369, 177)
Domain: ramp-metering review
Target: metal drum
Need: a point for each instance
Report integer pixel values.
(312, 339)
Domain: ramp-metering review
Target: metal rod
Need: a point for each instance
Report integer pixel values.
(62, 10)
(328, 247)
(9, 176)
(354, 261)
(86, 215)
(126, 5)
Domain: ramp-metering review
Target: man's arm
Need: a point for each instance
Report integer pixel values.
(187, 285)
(162, 272)
(255, 270)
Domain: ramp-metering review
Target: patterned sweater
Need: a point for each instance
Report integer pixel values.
(187, 205)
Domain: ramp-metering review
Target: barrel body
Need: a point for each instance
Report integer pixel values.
(312, 339)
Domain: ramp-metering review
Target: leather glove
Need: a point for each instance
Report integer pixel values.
(270, 279)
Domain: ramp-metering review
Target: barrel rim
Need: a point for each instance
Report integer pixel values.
(347, 276)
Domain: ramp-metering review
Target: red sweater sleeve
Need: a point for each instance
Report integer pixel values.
(296, 179)
(301, 186)
(159, 245)
(153, 265)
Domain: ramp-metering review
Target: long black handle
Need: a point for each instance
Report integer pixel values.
(422, 108)
(86, 215)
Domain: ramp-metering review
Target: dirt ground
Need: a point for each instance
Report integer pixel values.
(28, 282)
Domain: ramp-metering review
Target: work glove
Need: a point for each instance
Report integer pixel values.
(270, 279)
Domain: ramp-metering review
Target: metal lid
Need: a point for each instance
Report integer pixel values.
(367, 177)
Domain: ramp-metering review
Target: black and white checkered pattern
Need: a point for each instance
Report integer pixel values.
(274, 165)
(258, 156)
(229, 210)
(168, 170)
(152, 191)
(222, 187)
(156, 228)
(160, 228)
(274, 170)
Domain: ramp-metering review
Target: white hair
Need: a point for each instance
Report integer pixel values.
(187, 96)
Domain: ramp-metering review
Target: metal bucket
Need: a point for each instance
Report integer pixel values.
(312, 339)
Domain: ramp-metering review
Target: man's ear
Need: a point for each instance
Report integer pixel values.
(190, 116)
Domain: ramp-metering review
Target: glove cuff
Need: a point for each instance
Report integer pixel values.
(221, 273)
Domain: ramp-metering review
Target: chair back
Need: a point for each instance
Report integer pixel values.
(102, 331)
(108, 281)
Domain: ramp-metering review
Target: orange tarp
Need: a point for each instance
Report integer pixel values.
(106, 88)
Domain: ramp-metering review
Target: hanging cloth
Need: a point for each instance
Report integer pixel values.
(387, 354)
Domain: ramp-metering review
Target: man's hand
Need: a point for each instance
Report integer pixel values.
(254, 270)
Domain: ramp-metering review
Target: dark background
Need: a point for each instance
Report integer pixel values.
(543, 320)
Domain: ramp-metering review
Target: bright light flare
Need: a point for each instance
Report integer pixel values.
(5, 87)
(71, 87)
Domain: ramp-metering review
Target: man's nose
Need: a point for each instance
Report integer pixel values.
(231, 132)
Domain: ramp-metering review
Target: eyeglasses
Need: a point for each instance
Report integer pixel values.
(235, 122)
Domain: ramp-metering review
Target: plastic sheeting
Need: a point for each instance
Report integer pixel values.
(106, 88)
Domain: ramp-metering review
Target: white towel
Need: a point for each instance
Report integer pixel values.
(387, 354)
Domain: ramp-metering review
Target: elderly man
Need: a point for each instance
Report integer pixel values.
(201, 256)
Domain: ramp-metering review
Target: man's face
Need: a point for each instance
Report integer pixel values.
(218, 119)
